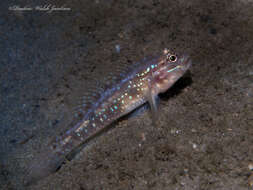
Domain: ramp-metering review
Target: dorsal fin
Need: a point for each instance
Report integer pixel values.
(120, 71)
(91, 95)
(96, 89)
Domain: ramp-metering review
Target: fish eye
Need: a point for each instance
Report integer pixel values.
(172, 58)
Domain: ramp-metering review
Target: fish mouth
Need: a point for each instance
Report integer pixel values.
(186, 63)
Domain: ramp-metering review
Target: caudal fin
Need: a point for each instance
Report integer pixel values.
(42, 166)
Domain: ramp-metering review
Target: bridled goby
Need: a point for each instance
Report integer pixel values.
(141, 83)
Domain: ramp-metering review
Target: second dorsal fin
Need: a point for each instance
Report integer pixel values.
(91, 94)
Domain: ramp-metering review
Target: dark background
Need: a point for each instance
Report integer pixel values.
(204, 137)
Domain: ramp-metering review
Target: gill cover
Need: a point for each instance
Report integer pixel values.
(170, 68)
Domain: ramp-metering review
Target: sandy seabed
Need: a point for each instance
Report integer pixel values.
(204, 136)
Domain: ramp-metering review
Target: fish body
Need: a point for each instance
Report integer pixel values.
(139, 86)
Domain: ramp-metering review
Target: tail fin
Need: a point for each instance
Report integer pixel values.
(43, 165)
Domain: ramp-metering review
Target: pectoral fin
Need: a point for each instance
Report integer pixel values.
(152, 100)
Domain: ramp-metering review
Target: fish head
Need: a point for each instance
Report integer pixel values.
(169, 69)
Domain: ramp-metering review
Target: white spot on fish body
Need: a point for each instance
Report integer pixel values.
(84, 124)
(66, 140)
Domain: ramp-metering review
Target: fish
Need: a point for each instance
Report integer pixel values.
(140, 84)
